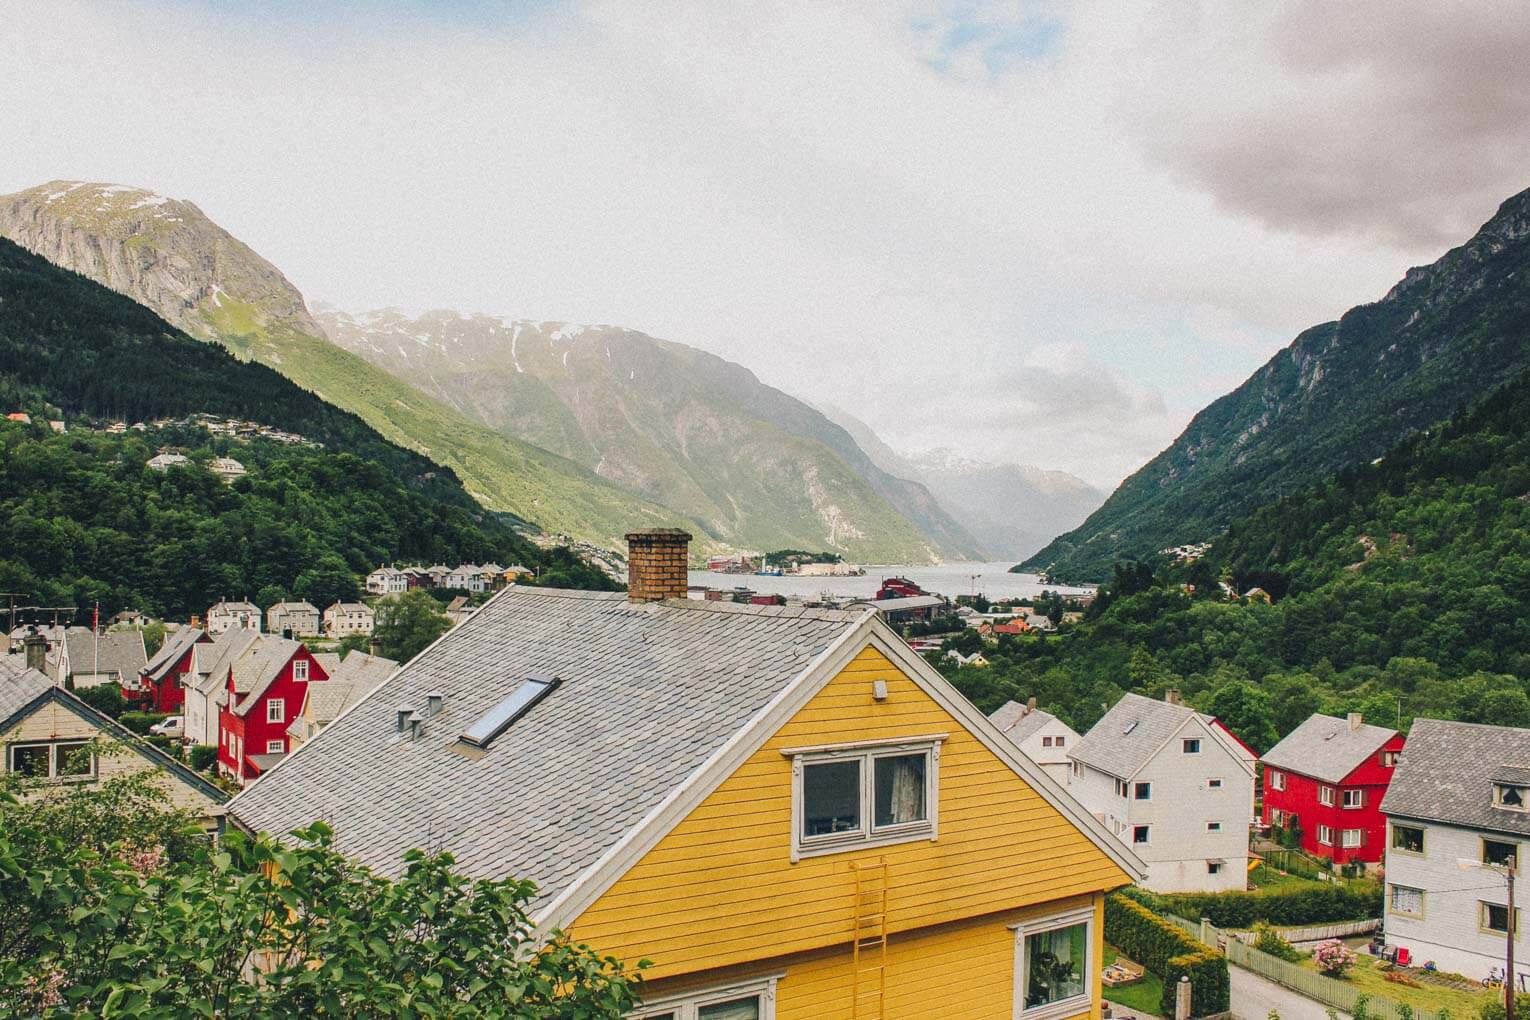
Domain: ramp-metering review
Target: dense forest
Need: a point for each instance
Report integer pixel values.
(82, 519)
(1399, 588)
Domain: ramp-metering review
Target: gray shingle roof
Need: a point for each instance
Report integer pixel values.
(170, 652)
(215, 658)
(121, 652)
(352, 680)
(1129, 734)
(18, 684)
(1016, 723)
(1446, 774)
(254, 672)
(1326, 749)
(649, 693)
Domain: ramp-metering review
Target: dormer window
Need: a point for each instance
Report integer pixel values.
(1510, 797)
(846, 797)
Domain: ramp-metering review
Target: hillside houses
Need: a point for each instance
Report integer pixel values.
(233, 615)
(1041, 736)
(258, 701)
(342, 619)
(87, 658)
(469, 577)
(293, 619)
(1326, 781)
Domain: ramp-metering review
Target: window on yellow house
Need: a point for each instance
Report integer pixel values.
(751, 1000)
(849, 797)
(1052, 966)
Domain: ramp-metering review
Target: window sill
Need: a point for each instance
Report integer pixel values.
(1057, 1010)
(880, 840)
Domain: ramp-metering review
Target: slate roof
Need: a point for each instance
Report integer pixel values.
(1129, 734)
(214, 659)
(19, 686)
(1016, 723)
(170, 652)
(1326, 749)
(907, 602)
(121, 652)
(353, 679)
(293, 607)
(329, 662)
(1446, 775)
(254, 672)
(649, 692)
(349, 607)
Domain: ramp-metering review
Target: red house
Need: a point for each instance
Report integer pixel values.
(161, 685)
(1327, 778)
(262, 695)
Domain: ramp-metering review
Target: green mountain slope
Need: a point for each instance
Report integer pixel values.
(82, 518)
(1343, 393)
(681, 427)
(167, 255)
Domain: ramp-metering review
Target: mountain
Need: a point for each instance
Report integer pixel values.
(1012, 509)
(82, 518)
(170, 257)
(1341, 394)
(686, 429)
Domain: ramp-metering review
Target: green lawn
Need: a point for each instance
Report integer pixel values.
(1365, 977)
(1143, 996)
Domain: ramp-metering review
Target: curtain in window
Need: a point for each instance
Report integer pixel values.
(900, 789)
(735, 1009)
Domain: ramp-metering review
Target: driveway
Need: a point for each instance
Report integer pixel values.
(1253, 997)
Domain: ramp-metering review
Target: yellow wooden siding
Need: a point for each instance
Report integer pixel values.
(963, 970)
(720, 888)
(55, 722)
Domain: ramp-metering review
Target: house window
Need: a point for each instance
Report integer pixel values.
(750, 1000)
(1405, 900)
(1408, 839)
(1499, 854)
(1354, 798)
(276, 709)
(867, 796)
(1325, 835)
(1276, 780)
(300, 669)
(1142, 791)
(1192, 745)
(1213, 784)
(1052, 966)
(1277, 817)
(1495, 918)
(1511, 798)
(275, 747)
(63, 760)
(1388, 759)
(1215, 867)
(1140, 834)
(1078, 769)
(1062, 741)
(1046, 741)
(1325, 796)
(1353, 838)
(1213, 826)
(1121, 788)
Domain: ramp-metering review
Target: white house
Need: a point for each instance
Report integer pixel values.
(226, 468)
(166, 461)
(1043, 738)
(203, 686)
(387, 581)
(345, 618)
(1174, 785)
(301, 618)
(468, 577)
(233, 615)
(1458, 812)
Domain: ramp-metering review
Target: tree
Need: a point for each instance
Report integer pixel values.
(1247, 711)
(407, 623)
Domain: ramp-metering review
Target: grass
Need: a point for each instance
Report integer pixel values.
(1142, 996)
(1365, 977)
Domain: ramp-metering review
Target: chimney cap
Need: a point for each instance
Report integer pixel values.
(1172, 696)
(677, 534)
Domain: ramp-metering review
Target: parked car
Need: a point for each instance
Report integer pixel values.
(171, 726)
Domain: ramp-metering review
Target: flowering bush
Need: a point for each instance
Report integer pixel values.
(1333, 958)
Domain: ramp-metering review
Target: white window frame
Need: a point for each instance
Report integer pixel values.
(1484, 926)
(1123, 788)
(276, 710)
(1213, 826)
(1359, 839)
(1391, 901)
(300, 669)
(1063, 1007)
(686, 1005)
(1325, 835)
(1215, 867)
(1147, 831)
(1186, 748)
(1389, 759)
(275, 746)
(1141, 788)
(1275, 778)
(1326, 796)
(868, 835)
(1214, 784)
(1524, 793)
(52, 746)
(1358, 796)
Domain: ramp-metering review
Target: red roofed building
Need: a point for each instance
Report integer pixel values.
(261, 697)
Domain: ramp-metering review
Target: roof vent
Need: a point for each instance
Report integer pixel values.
(416, 725)
(433, 703)
(516, 704)
(402, 714)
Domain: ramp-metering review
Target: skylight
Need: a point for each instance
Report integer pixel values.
(516, 704)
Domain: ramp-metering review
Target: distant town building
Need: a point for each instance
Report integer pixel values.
(297, 619)
(233, 615)
(166, 461)
(387, 581)
(226, 468)
(345, 618)
(1041, 736)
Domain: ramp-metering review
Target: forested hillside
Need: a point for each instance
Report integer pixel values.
(1342, 394)
(1400, 588)
(81, 518)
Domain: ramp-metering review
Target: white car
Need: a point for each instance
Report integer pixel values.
(172, 726)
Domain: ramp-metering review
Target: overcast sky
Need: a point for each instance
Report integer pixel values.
(1037, 232)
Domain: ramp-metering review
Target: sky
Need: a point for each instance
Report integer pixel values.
(1035, 232)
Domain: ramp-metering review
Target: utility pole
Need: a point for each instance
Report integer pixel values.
(12, 596)
(1508, 975)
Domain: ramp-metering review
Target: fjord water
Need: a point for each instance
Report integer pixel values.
(949, 579)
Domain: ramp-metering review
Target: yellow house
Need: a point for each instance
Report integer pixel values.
(49, 735)
(787, 811)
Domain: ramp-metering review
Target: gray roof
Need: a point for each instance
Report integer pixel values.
(1446, 774)
(175, 645)
(254, 671)
(356, 677)
(234, 607)
(650, 691)
(293, 607)
(214, 659)
(1130, 734)
(121, 652)
(1016, 723)
(19, 686)
(1326, 749)
(908, 602)
(349, 607)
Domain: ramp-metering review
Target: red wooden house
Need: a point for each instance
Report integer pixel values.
(161, 685)
(262, 696)
(1327, 778)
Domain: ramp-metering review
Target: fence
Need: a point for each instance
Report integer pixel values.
(1314, 933)
(1338, 994)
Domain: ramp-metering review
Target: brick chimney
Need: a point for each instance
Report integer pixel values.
(37, 651)
(656, 564)
(1172, 696)
(1355, 720)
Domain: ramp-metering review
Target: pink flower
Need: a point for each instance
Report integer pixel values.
(44, 989)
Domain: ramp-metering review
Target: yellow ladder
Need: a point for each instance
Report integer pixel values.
(869, 941)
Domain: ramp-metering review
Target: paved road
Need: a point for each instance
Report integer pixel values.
(1253, 997)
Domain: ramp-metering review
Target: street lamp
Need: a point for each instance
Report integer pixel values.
(1506, 870)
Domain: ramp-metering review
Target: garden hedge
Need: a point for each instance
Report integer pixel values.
(1166, 950)
(139, 722)
(203, 756)
(1310, 903)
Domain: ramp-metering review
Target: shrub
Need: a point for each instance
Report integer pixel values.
(1493, 1008)
(1169, 952)
(1268, 940)
(1291, 904)
(1333, 958)
(203, 756)
(139, 722)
